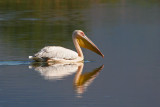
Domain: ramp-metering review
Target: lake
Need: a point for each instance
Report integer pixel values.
(126, 31)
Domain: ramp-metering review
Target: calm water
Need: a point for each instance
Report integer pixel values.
(126, 31)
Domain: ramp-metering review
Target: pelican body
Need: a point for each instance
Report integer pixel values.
(61, 54)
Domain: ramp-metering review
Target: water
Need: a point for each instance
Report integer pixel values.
(127, 33)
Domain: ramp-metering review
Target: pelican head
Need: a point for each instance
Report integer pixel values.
(84, 42)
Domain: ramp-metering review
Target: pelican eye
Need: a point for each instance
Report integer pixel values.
(82, 33)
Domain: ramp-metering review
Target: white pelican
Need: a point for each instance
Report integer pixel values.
(60, 54)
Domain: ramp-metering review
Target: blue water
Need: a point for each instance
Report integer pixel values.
(127, 33)
(15, 62)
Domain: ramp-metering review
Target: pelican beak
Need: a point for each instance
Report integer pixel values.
(85, 42)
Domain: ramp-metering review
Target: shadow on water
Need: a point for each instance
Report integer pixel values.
(27, 63)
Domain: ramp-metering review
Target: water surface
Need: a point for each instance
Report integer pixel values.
(127, 33)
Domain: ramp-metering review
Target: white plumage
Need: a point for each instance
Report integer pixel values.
(56, 52)
(59, 54)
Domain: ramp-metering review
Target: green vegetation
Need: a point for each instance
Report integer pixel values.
(35, 23)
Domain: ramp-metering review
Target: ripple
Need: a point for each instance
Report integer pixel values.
(14, 62)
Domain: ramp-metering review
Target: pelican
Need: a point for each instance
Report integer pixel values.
(61, 54)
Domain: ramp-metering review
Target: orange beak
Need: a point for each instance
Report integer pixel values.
(85, 42)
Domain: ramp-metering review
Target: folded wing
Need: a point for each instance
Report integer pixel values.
(56, 52)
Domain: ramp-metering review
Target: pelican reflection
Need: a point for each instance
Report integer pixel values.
(83, 80)
(56, 71)
(59, 71)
